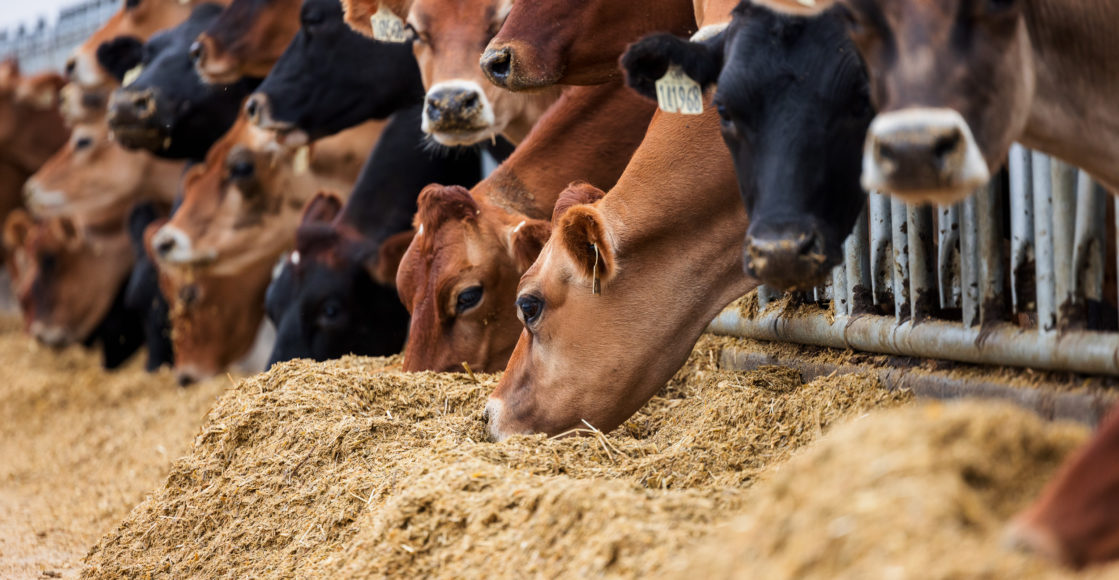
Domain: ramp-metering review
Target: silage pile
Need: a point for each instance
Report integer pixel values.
(352, 468)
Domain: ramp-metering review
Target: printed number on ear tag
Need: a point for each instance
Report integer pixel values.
(388, 27)
(678, 93)
(302, 160)
(132, 74)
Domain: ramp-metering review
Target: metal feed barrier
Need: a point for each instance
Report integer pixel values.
(48, 47)
(1007, 278)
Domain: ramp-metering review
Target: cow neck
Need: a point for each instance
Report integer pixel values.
(1073, 113)
(676, 211)
(341, 157)
(384, 198)
(588, 135)
(709, 12)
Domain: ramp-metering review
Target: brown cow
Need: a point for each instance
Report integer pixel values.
(1076, 519)
(238, 215)
(67, 271)
(461, 107)
(564, 54)
(31, 129)
(459, 277)
(957, 81)
(246, 40)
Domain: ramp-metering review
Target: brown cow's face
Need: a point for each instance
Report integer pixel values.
(461, 107)
(458, 279)
(30, 126)
(90, 173)
(952, 80)
(246, 40)
(66, 275)
(139, 18)
(1076, 519)
(239, 208)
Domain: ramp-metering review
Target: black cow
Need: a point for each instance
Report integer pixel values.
(336, 294)
(793, 96)
(142, 295)
(166, 108)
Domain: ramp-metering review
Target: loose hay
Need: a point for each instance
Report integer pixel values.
(79, 447)
(353, 468)
(921, 492)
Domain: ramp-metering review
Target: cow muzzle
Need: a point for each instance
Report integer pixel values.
(923, 154)
(40, 201)
(52, 336)
(172, 246)
(457, 113)
(132, 119)
(787, 258)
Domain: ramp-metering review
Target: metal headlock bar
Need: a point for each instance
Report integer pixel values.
(1014, 275)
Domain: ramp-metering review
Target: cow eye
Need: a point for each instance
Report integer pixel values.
(330, 311)
(83, 143)
(722, 110)
(311, 18)
(468, 298)
(241, 169)
(530, 307)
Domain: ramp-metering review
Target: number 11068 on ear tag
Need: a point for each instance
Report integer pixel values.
(678, 93)
(388, 27)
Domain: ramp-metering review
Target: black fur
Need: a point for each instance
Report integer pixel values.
(142, 295)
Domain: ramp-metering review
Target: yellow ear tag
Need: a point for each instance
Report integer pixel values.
(678, 93)
(388, 27)
(302, 160)
(132, 74)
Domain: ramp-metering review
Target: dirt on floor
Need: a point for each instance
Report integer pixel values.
(80, 447)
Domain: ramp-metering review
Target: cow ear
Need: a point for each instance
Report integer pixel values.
(16, 228)
(797, 7)
(389, 256)
(577, 193)
(648, 59)
(583, 236)
(527, 240)
(43, 93)
(324, 207)
(120, 55)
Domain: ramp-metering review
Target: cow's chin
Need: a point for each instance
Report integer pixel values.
(464, 137)
(145, 138)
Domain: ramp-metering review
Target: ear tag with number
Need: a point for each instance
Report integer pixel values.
(388, 27)
(678, 93)
(132, 74)
(302, 160)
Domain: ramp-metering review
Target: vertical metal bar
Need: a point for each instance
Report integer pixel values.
(839, 301)
(969, 262)
(881, 262)
(1088, 252)
(1064, 224)
(900, 248)
(767, 295)
(990, 211)
(1021, 229)
(922, 292)
(948, 255)
(860, 298)
(1043, 243)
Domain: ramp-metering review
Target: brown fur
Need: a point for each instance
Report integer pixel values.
(589, 134)
(247, 39)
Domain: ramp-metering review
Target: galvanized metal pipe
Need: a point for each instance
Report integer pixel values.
(992, 267)
(1021, 229)
(1045, 279)
(969, 262)
(839, 301)
(1064, 224)
(948, 256)
(1000, 344)
(1088, 246)
(881, 240)
(900, 247)
(923, 296)
(857, 260)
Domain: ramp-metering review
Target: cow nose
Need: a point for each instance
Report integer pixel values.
(454, 107)
(197, 50)
(137, 105)
(170, 244)
(786, 259)
(496, 64)
(256, 108)
(923, 152)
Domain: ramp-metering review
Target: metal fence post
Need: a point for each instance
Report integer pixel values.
(1021, 229)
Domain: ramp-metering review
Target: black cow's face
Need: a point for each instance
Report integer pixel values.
(331, 78)
(164, 106)
(793, 98)
(326, 305)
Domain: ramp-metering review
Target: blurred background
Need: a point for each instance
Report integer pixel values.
(41, 33)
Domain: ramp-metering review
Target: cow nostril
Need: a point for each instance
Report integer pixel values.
(886, 151)
(251, 109)
(71, 66)
(196, 51)
(470, 100)
(497, 64)
(164, 247)
(946, 145)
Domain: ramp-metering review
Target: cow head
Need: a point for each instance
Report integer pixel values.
(547, 42)
(136, 18)
(953, 82)
(458, 278)
(792, 95)
(335, 294)
(331, 78)
(66, 273)
(166, 108)
(246, 40)
(92, 172)
(1076, 519)
(31, 128)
